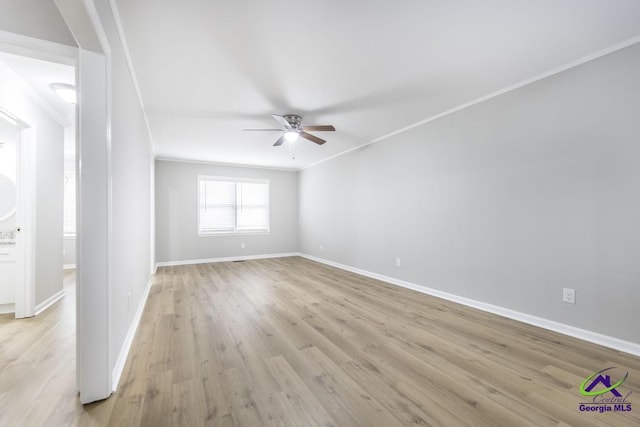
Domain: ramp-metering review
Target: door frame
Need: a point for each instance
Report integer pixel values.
(93, 177)
(24, 304)
(94, 214)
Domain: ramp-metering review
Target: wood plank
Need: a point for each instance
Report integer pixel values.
(288, 341)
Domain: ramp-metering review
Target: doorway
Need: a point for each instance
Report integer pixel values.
(39, 119)
(79, 39)
(33, 132)
(8, 202)
(17, 230)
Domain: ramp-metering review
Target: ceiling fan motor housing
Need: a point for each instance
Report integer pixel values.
(293, 120)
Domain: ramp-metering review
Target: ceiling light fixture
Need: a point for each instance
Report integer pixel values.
(65, 91)
(291, 135)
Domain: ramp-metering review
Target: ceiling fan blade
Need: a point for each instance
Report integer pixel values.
(279, 141)
(319, 128)
(312, 138)
(261, 130)
(282, 121)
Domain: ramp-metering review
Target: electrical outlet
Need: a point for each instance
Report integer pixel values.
(242, 245)
(569, 295)
(321, 247)
(398, 262)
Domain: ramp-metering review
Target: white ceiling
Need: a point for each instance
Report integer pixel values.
(38, 75)
(208, 69)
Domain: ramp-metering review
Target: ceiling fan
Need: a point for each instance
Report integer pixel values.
(293, 129)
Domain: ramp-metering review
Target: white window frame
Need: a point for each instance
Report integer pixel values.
(70, 177)
(235, 225)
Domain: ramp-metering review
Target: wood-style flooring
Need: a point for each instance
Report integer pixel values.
(288, 341)
(38, 365)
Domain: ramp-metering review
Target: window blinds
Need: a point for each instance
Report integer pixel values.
(227, 206)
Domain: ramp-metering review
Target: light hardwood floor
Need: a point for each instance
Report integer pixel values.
(291, 342)
(37, 362)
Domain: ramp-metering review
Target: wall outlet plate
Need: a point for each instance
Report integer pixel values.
(569, 295)
(398, 263)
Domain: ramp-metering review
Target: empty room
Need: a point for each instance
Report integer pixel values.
(326, 213)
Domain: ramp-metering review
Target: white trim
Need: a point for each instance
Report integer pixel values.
(557, 70)
(126, 346)
(152, 215)
(25, 217)
(68, 266)
(93, 337)
(49, 301)
(224, 259)
(110, 247)
(45, 50)
(127, 56)
(572, 331)
(233, 233)
(235, 181)
(224, 165)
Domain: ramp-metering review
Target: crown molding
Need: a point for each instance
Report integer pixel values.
(511, 88)
(221, 164)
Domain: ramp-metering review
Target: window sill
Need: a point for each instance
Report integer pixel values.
(235, 233)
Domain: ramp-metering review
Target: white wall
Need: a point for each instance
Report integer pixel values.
(176, 214)
(49, 208)
(35, 18)
(506, 202)
(49, 184)
(130, 238)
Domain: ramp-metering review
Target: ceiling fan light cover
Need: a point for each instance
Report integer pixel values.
(293, 129)
(291, 135)
(65, 91)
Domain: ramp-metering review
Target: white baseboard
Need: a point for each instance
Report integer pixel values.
(126, 346)
(224, 259)
(49, 301)
(572, 331)
(7, 308)
(69, 267)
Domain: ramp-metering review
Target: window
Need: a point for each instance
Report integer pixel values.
(69, 215)
(232, 205)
